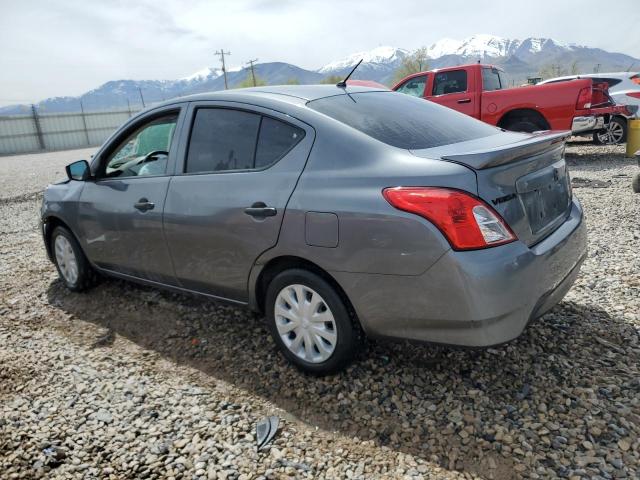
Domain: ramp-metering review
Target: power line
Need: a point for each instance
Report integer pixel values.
(253, 73)
(221, 53)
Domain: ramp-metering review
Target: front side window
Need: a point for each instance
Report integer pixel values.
(145, 151)
(224, 139)
(414, 87)
(454, 81)
(491, 79)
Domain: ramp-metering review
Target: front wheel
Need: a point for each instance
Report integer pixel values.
(73, 267)
(614, 134)
(310, 322)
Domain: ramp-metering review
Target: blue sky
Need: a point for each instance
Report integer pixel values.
(56, 47)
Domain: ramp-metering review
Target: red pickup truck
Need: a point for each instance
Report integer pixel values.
(480, 91)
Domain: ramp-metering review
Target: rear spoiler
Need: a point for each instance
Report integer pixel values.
(537, 143)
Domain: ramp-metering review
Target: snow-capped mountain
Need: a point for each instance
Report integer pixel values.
(485, 46)
(378, 57)
(519, 58)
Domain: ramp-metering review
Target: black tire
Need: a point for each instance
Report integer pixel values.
(620, 123)
(86, 277)
(635, 183)
(349, 334)
(524, 125)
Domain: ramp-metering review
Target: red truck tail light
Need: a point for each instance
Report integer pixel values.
(466, 221)
(584, 99)
(633, 94)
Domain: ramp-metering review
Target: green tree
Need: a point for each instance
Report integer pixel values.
(331, 79)
(292, 81)
(416, 62)
(248, 82)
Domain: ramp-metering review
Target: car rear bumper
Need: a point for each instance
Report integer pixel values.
(474, 298)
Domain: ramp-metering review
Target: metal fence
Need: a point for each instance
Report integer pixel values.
(58, 131)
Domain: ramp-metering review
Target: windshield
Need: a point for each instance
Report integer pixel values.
(401, 120)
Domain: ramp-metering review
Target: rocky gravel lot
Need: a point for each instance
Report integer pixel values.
(130, 382)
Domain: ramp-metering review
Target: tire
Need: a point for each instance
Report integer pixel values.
(614, 135)
(72, 265)
(292, 332)
(635, 183)
(524, 125)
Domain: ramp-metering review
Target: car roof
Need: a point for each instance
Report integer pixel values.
(294, 94)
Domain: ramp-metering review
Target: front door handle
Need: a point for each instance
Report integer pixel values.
(143, 205)
(464, 100)
(260, 210)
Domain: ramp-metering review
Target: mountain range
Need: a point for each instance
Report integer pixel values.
(519, 58)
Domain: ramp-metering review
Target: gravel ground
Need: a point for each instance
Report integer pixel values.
(130, 382)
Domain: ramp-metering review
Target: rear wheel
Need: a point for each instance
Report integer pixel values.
(310, 322)
(614, 134)
(73, 267)
(524, 125)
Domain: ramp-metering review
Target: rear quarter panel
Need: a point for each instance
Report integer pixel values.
(345, 175)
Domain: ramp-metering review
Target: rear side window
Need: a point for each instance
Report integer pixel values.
(401, 120)
(491, 79)
(454, 81)
(275, 139)
(225, 139)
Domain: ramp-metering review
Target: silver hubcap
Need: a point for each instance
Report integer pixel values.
(66, 259)
(612, 135)
(305, 323)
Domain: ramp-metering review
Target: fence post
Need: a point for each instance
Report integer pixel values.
(84, 122)
(36, 122)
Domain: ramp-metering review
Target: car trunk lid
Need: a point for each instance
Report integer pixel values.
(522, 176)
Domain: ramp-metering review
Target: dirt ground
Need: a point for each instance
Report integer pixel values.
(130, 382)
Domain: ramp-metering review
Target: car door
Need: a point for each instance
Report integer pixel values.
(453, 89)
(239, 166)
(120, 211)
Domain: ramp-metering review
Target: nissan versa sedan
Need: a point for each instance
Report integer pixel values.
(336, 212)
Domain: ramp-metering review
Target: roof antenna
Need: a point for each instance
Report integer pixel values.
(343, 83)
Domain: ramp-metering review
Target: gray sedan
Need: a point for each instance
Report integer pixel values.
(337, 212)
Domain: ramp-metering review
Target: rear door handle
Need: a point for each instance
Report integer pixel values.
(464, 100)
(143, 205)
(260, 210)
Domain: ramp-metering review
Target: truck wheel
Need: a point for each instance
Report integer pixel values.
(524, 125)
(614, 134)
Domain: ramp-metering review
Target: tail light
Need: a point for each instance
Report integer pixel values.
(633, 94)
(584, 98)
(466, 221)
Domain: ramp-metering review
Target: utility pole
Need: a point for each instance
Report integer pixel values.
(84, 123)
(596, 69)
(253, 73)
(221, 53)
(141, 97)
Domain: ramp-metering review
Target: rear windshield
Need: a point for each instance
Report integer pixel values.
(401, 120)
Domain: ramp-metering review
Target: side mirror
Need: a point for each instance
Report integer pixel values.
(78, 170)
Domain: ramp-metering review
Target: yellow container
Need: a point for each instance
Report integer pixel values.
(633, 137)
